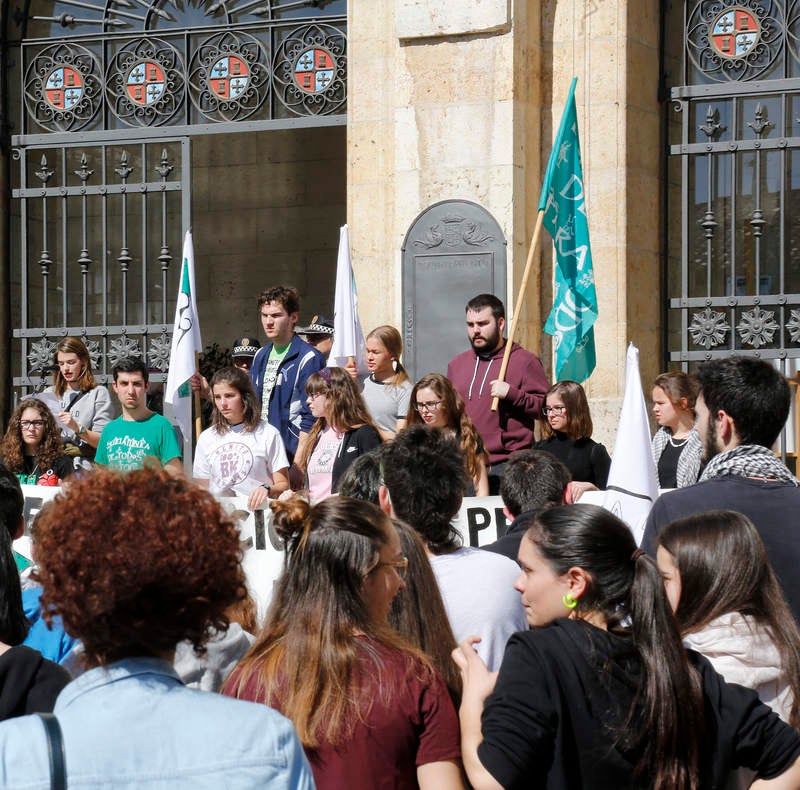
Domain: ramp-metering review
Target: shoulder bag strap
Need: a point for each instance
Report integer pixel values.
(55, 748)
(75, 400)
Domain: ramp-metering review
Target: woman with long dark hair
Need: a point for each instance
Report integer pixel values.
(343, 431)
(86, 407)
(731, 608)
(32, 447)
(240, 453)
(568, 434)
(600, 692)
(435, 402)
(370, 710)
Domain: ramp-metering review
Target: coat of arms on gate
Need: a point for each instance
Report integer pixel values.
(735, 33)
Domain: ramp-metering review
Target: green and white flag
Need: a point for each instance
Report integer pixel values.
(185, 341)
(563, 202)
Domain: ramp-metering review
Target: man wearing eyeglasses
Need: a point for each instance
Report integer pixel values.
(475, 374)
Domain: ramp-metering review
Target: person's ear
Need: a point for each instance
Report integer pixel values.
(507, 514)
(577, 581)
(385, 500)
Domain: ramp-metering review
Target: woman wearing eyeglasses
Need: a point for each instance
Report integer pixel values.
(342, 432)
(568, 428)
(370, 710)
(32, 447)
(435, 402)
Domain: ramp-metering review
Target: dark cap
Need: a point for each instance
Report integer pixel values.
(320, 325)
(245, 347)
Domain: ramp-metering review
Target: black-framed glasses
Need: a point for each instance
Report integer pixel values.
(31, 423)
(431, 405)
(400, 567)
(554, 410)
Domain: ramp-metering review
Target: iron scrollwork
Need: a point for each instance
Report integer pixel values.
(735, 39)
(145, 83)
(229, 76)
(63, 88)
(310, 70)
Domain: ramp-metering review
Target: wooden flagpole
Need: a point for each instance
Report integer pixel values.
(198, 421)
(522, 287)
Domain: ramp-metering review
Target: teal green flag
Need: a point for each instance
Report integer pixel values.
(563, 201)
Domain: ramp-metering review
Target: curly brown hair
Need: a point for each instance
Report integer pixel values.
(148, 560)
(50, 448)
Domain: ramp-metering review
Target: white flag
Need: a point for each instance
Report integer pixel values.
(185, 342)
(348, 337)
(632, 480)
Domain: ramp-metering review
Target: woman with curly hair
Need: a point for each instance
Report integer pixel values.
(568, 432)
(131, 579)
(86, 407)
(370, 710)
(32, 447)
(436, 402)
(240, 453)
(343, 431)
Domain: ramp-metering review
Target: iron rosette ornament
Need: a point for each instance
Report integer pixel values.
(145, 83)
(229, 76)
(63, 88)
(310, 70)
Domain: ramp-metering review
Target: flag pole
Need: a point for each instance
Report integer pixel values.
(198, 414)
(522, 287)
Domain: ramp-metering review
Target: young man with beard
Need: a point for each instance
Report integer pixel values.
(475, 373)
(742, 407)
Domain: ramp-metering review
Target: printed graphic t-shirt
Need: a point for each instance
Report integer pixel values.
(124, 444)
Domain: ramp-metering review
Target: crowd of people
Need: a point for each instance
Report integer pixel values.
(563, 655)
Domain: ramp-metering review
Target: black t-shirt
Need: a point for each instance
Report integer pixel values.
(62, 468)
(562, 700)
(668, 466)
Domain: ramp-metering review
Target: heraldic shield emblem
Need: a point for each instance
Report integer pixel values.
(145, 83)
(314, 69)
(63, 88)
(735, 33)
(229, 77)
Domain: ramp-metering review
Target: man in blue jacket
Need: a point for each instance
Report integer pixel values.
(282, 366)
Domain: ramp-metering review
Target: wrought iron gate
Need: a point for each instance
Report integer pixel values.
(733, 193)
(99, 251)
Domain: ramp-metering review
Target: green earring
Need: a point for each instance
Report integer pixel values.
(569, 601)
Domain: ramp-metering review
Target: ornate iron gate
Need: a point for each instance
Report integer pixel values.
(100, 226)
(733, 194)
(109, 94)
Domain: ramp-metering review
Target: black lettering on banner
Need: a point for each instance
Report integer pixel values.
(503, 524)
(478, 518)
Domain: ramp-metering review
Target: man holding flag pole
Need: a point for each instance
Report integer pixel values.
(562, 210)
(186, 345)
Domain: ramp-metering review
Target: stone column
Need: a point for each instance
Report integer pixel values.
(463, 101)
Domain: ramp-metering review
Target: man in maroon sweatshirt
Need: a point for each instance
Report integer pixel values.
(475, 375)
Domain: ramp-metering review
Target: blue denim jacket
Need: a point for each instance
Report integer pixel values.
(133, 724)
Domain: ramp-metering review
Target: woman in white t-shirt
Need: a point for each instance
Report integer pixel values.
(387, 388)
(343, 431)
(240, 454)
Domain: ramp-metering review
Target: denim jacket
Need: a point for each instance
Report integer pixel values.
(133, 724)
